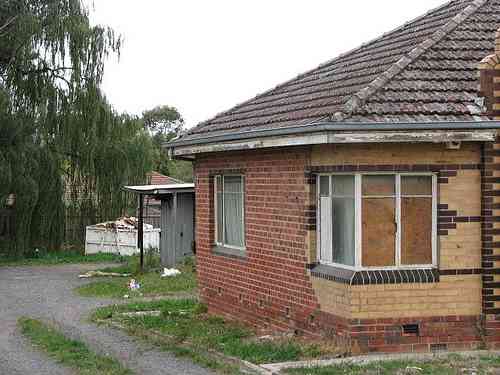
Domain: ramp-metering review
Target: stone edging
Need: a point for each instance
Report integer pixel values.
(276, 368)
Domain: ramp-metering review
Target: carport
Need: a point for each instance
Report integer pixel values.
(177, 220)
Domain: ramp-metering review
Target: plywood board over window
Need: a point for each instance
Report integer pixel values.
(379, 221)
(379, 232)
(416, 220)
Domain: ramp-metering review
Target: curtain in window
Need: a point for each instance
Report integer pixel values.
(343, 220)
(343, 231)
(233, 211)
(220, 210)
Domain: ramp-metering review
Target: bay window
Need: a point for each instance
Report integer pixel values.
(377, 221)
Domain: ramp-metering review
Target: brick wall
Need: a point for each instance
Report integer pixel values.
(272, 288)
(489, 72)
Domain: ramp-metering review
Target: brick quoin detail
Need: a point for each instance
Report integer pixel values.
(490, 228)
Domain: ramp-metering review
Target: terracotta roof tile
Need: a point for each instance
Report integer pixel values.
(425, 70)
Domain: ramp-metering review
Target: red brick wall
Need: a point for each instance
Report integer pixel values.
(273, 277)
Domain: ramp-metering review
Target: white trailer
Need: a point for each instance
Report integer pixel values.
(123, 241)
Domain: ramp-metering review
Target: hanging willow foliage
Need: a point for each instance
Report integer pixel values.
(64, 152)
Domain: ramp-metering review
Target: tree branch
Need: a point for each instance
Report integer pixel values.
(8, 23)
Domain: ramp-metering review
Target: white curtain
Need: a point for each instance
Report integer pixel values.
(343, 231)
(325, 229)
(343, 219)
(233, 211)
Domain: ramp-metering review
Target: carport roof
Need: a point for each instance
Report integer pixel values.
(160, 189)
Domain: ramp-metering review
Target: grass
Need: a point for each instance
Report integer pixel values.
(54, 258)
(449, 365)
(68, 352)
(184, 324)
(151, 282)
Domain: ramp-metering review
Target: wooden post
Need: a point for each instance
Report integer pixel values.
(174, 231)
(140, 230)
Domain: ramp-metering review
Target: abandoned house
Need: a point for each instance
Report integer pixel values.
(361, 200)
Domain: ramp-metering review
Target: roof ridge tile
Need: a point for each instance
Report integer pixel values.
(360, 98)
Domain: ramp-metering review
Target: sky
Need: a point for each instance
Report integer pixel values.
(204, 57)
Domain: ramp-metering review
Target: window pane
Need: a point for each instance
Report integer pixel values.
(220, 216)
(324, 186)
(416, 221)
(379, 232)
(378, 185)
(325, 229)
(233, 184)
(416, 185)
(219, 183)
(343, 186)
(343, 230)
(233, 211)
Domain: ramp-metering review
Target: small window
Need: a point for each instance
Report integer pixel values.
(229, 211)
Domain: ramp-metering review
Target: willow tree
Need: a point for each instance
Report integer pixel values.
(64, 152)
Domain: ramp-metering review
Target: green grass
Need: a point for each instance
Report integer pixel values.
(186, 325)
(68, 352)
(55, 258)
(450, 365)
(151, 282)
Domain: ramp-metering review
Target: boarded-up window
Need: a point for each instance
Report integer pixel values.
(416, 220)
(376, 220)
(379, 221)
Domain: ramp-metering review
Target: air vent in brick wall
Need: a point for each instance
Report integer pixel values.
(410, 329)
(439, 347)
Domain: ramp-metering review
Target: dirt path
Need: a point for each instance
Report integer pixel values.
(46, 292)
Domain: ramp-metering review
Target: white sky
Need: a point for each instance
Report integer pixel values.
(203, 56)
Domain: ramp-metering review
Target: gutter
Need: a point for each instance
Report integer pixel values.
(335, 127)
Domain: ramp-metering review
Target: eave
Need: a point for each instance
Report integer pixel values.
(337, 133)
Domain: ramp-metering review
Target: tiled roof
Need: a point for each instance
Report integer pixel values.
(155, 178)
(424, 71)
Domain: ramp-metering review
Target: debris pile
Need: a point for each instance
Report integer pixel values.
(125, 222)
(90, 274)
(170, 272)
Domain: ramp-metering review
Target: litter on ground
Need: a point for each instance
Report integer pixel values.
(102, 274)
(134, 285)
(169, 272)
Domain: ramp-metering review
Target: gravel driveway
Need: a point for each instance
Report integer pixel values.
(46, 292)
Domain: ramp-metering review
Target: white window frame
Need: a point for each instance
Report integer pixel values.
(358, 247)
(216, 218)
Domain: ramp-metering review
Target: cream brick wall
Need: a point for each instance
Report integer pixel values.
(334, 298)
(463, 193)
(453, 295)
(461, 248)
(394, 153)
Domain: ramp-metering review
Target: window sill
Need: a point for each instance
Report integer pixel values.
(374, 277)
(229, 252)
